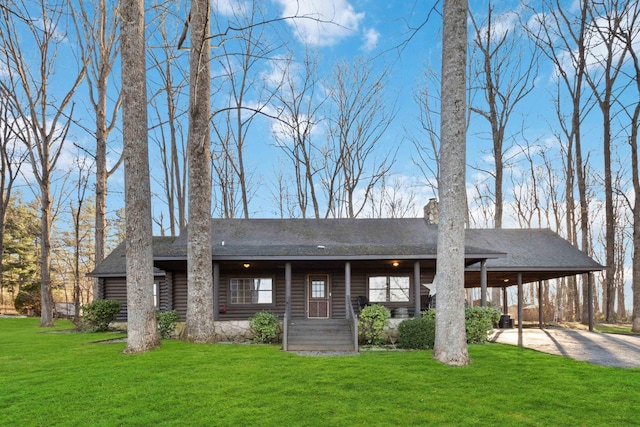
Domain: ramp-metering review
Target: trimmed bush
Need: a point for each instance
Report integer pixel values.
(167, 321)
(420, 333)
(373, 320)
(264, 325)
(479, 321)
(100, 313)
(417, 333)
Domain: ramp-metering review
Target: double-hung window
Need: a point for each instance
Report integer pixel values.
(256, 290)
(389, 288)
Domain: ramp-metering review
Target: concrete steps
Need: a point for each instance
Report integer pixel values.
(320, 335)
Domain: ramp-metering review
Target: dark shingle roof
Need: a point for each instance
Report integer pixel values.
(540, 253)
(327, 239)
(115, 264)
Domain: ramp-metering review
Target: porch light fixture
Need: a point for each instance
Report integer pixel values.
(395, 263)
(505, 280)
(246, 265)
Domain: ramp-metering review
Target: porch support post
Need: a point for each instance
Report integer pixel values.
(520, 310)
(416, 289)
(590, 297)
(540, 303)
(287, 306)
(216, 291)
(347, 288)
(287, 292)
(483, 283)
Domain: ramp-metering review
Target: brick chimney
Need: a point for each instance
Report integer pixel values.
(431, 211)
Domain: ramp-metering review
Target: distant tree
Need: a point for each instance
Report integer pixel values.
(247, 94)
(142, 330)
(606, 58)
(300, 114)
(560, 33)
(97, 22)
(503, 71)
(169, 108)
(451, 343)
(47, 112)
(12, 157)
(360, 115)
(628, 34)
(21, 249)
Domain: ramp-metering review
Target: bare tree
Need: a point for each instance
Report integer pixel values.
(628, 34)
(603, 70)
(167, 104)
(358, 121)
(451, 342)
(82, 181)
(47, 116)
(141, 320)
(248, 92)
(561, 36)
(427, 144)
(97, 36)
(505, 71)
(300, 114)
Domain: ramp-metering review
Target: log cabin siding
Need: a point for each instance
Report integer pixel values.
(173, 289)
(179, 293)
(115, 288)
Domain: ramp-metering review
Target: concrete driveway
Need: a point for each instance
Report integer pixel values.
(621, 351)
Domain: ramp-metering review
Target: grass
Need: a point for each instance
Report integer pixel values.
(49, 377)
(624, 329)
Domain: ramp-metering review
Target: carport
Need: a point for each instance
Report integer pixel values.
(531, 256)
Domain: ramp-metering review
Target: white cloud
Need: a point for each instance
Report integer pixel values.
(315, 28)
(500, 25)
(371, 37)
(230, 7)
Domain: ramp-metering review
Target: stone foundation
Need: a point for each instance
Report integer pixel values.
(239, 331)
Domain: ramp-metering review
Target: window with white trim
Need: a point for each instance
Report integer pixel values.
(251, 290)
(389, 288)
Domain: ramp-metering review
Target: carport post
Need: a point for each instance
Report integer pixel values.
(540, 303)
(505, 301)
(590, 297)
(520, 310)
(483, 283)
(416, 289)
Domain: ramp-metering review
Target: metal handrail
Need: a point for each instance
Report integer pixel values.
(354, 321)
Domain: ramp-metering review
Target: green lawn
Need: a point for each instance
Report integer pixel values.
(55, 378)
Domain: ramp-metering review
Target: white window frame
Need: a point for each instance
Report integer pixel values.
(255, 294)
(391, 286)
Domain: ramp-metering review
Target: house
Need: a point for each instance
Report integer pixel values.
(312, 273)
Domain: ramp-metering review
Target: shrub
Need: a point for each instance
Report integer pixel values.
(417, 333)
(264, 325)
(420, 333)
(28, 299)
(479, 321)
(373, 320)
(167, 321)
(100, 313)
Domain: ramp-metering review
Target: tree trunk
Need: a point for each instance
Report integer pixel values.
(451, 341)
(200, 309)
(142, 330)
(46, 297)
